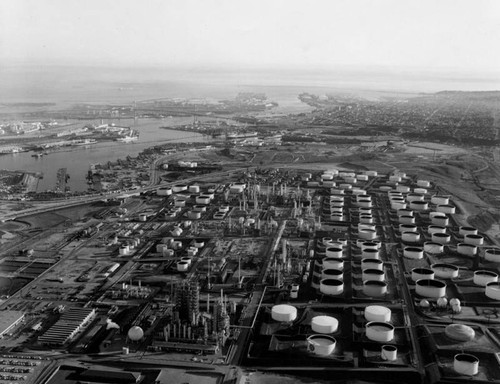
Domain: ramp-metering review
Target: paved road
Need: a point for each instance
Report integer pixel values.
(80, 200)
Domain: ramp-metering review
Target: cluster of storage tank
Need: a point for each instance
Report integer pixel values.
(320, 342)
(128, 247)
(169, 246)
(429, 281)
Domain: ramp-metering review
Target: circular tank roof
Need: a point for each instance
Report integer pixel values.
(324, 324)
(284, 312)
(135, 333)
(377, 313)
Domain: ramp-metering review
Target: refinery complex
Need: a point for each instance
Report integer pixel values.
(332, 273)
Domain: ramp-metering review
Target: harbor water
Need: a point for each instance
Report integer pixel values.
(78, 159)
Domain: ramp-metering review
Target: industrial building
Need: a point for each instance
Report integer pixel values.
(67, 327)
(9, 320)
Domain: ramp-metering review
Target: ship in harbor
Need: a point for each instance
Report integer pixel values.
(130, 136)
(242, 135)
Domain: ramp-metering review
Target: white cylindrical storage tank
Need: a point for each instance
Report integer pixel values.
(440, 200)
(202, 200)
(423, 183)
(337, 217)
(441, 220)
(164, 191)
(403, 188)
(419, 205)
(446, 208)
(492, 254)
(194, 215)
(336, 191)
(362, 177)
(326, 241)
(176, 244)
(324, 324)
(182, 266)
(124, 250)
(336, 198)
(431, 288)
(422, 274)
(372, 264)
(336, 274)
(413, 253)
(467, 231)
(180, 203)
(474, 239)
(194, 188)
(179, 188)
(377, 313)
(433, 247)
(370, 245)
(224, 208)
(336, 204)
(176, 231)
(168, 252)
(379, 331)
(366, 219)
(374, 288)
(395, 178)
(333, 263)
(411, 197)
(321, 345)
(445, 271)
(237, 188)
(345, 186)
(161, 247)
(200, 208)
(333, 252)
(435, 229)
(372, 274)
(466, 249)
(441, 238)
(397, 205)
(404, 212)
(406, 219)
(342, 241)
(332, 287)
(364, 203)
(421, 191)
(199, 243)
(351, 180)
(466, 364)
(284, 313)
(187, 260)
(410, 237)
(408, 228)
(367, 234)
(483, 278)
(370, 253)
(493, 290)
(367, 226)
(326, 176)
(143, 217)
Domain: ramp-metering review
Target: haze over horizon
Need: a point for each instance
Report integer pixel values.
(447, 36)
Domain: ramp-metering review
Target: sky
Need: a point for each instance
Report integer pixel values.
(460, 35)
